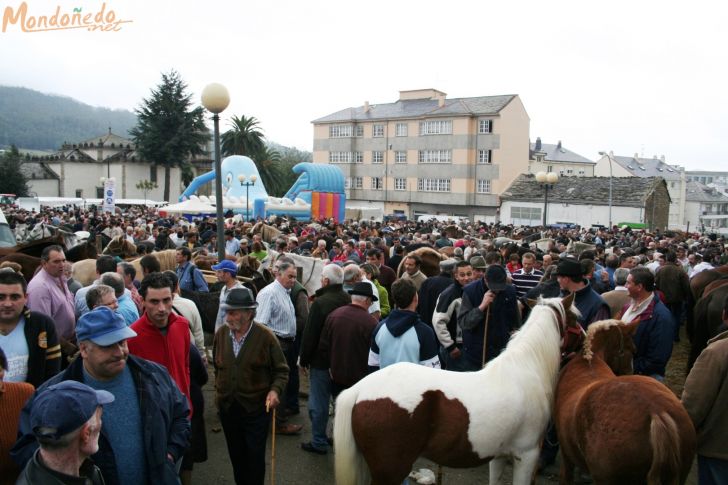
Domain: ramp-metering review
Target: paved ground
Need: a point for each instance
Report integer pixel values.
(297, 467)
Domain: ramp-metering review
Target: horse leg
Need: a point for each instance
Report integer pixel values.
(566, 473)
(496, 467)
(524, 465)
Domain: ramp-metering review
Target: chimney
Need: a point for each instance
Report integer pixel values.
(558, 146)
(366, 106)
(440, 101)
(538, 144)
(636, 156)
(662, 157)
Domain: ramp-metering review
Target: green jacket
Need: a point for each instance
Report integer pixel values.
(384, 307)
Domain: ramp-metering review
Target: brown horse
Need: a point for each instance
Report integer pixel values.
(708, 317)
(29, 264)
(704, 278)
(622, 430)
(430, 261)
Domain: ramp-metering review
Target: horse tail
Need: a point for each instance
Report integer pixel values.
(665, 441)
(351, 469)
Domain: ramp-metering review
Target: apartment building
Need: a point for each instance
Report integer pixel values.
(636, 166)
(427, 154)
(547, 157)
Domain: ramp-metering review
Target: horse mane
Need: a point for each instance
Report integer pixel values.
(591, 332)
(166, 259)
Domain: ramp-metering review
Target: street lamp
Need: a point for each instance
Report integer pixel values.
(547, 180)
(247, 185)
(215, 98)
(609, 157)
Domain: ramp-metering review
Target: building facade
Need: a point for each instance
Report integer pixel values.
(706, 208)
(585, 201)
(546, 157)
(427, 154)
(635, 166)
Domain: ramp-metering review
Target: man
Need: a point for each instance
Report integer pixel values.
(696, 264)
(145, 429)
(190, 278)
(28, 338)
(104, 264)
(527, 277)
(488, 315)
(445, 318)
(352, 276)
(619, 296)
(232, 245)
(277, 312)
(101, 295)
(396, 258)
(387, 276)
(73, 285)
(402, 336)
(128, 272)
(590, 304)
(471, 249)
(674, 284)
(412, 272)
(479, 266)
(431, 289)
(187, 309)
(126, 307)
(654, 336)
(129, 237)
(705, 398)
(149, 264)
(226, 272)
(48, 293)
(66, 421)
(658, 259)
(250, 375)
(327, 299)
(163, 336)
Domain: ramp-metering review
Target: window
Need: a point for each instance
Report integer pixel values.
(339, 157)
(79, 193)
(433, 185)
(581, 172)
(435, 156)
(400, 157)
(340, 131)
(550, 168)
(400, 129)
(377, 183)
(347, 183)
(484, 156)
(359, 131)
(569, 172)
(400, 184)
(358, 157)
(353, 182)
(484, 186)
(435, 128)
(672, 185)
(485, 126)
(378, 131)
(526, 216)
(377, 157)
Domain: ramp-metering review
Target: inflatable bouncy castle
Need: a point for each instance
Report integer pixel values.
(318, 193)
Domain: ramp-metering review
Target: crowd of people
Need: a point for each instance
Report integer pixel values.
(104, 381)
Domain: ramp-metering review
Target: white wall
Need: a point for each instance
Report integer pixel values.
(44, 187)
(584, 215)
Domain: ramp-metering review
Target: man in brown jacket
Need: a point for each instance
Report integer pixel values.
(706, 400)
(250, 375)
(674, 284)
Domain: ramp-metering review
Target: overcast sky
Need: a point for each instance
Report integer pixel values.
(641, 77)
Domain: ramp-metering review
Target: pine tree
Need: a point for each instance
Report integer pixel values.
(169, 129)
(12, 178)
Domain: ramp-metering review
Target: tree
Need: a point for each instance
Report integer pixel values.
(169, 129)
(244, 138)
(145, 186)
(12, 178)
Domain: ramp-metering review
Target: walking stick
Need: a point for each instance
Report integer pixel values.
(439, 475)
(485, 333)
(272, 447)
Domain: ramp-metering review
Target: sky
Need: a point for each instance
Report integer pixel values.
(643, 77)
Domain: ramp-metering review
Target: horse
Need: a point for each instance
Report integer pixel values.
(430, 261)
(621, 430)
(704, 278)
(267, 233)
(707, 318)
(166, 260)
(120, 246)
(84, 250)
(84, 271)
(457, 419)
(29, 264)
(311, 270)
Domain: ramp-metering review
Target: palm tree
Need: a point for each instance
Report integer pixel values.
(272, 172)
(243, 138)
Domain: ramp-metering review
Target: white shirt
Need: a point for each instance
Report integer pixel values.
(636, 308)
(17, 353)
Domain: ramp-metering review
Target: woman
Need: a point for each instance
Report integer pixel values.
(371, 272)
(258, 252)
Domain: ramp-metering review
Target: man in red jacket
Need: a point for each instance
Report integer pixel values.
(163, 336)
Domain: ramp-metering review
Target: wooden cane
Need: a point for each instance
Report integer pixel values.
(439, 475)
(485, 333)
(272, 447)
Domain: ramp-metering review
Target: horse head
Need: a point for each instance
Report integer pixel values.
(572, 334)
(611, 341)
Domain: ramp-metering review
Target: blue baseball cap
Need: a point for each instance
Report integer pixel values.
(103, 326)
(65, 407)
(226, 265)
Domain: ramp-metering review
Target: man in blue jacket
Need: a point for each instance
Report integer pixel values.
(145, 430)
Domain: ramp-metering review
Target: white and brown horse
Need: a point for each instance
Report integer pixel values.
(457, 419)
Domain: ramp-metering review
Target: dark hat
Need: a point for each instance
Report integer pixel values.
(239, 299)
(65, 407)
(569, 267)
(364, 289)
(495, 277)
(103, 327)
(477, 262)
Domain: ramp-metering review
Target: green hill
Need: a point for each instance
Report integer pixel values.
(34, 120)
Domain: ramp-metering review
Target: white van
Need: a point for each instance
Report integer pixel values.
(7, 239)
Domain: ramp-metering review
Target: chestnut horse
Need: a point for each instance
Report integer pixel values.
(457, 419)
(622, 430)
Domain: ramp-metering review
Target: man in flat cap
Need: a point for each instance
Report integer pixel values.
(66, 421)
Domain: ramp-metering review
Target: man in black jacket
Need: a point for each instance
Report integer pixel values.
(431, 289)
(28, 338)
(328, 298)
(145, 430)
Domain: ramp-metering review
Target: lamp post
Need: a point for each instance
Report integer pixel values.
(547, 181)
(247, 185)
(215, 98)
(609, 157)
